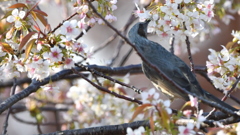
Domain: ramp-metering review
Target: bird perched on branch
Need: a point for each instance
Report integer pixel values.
(173, 68)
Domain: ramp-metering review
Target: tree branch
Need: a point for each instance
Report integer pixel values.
(104, 130)
(35, 85)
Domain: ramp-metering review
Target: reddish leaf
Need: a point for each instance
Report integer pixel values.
(139, 110)
(34, 15)
(34, 7)
(36, 27)
(25, 39)
(40, 12)
(48, 28)
(152, 126)
(6, 47)
(18, 5)
(29, 48)
(42, 19)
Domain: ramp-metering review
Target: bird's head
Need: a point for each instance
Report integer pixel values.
(139, 29)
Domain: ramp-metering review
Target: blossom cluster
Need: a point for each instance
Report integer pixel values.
(37, 52)
(106, 9)
(152, 97)
(224, 66)
(226, 8)
(180, 17)
(94, 108)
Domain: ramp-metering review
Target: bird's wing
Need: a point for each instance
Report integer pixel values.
(174, 68)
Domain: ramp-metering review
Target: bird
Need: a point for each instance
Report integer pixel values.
(172, 66)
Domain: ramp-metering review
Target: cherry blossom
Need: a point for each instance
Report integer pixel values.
(151, 96)
(170, 18)
(79, 47)
(223, 63)
(236, 34)
(110, 18)
(193, 101)
(186, 130)
(69, 29)
(68, 63)
(16, 17)
(138, 131)
(200, 119)
(187, 113)
(166, 104)
(38, 69)
(56, 54)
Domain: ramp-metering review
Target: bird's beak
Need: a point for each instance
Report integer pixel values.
(147, 21)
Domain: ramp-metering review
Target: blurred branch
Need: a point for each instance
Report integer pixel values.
(106, 43)
(131, 19)
(9, 110)
(124, 59)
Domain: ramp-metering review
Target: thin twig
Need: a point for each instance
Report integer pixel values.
(124, 59)
(231, 90)
(82, 33)
(110, 39)
(116, 53)
(109, 78)
(106, 43)
(58, 125)
(106, 90)
(39, 128)
(172, 44)
(189, 50)
(60, 24)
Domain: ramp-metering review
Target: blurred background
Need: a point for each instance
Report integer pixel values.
(58, 10)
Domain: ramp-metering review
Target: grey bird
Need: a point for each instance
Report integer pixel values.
(171, 65)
